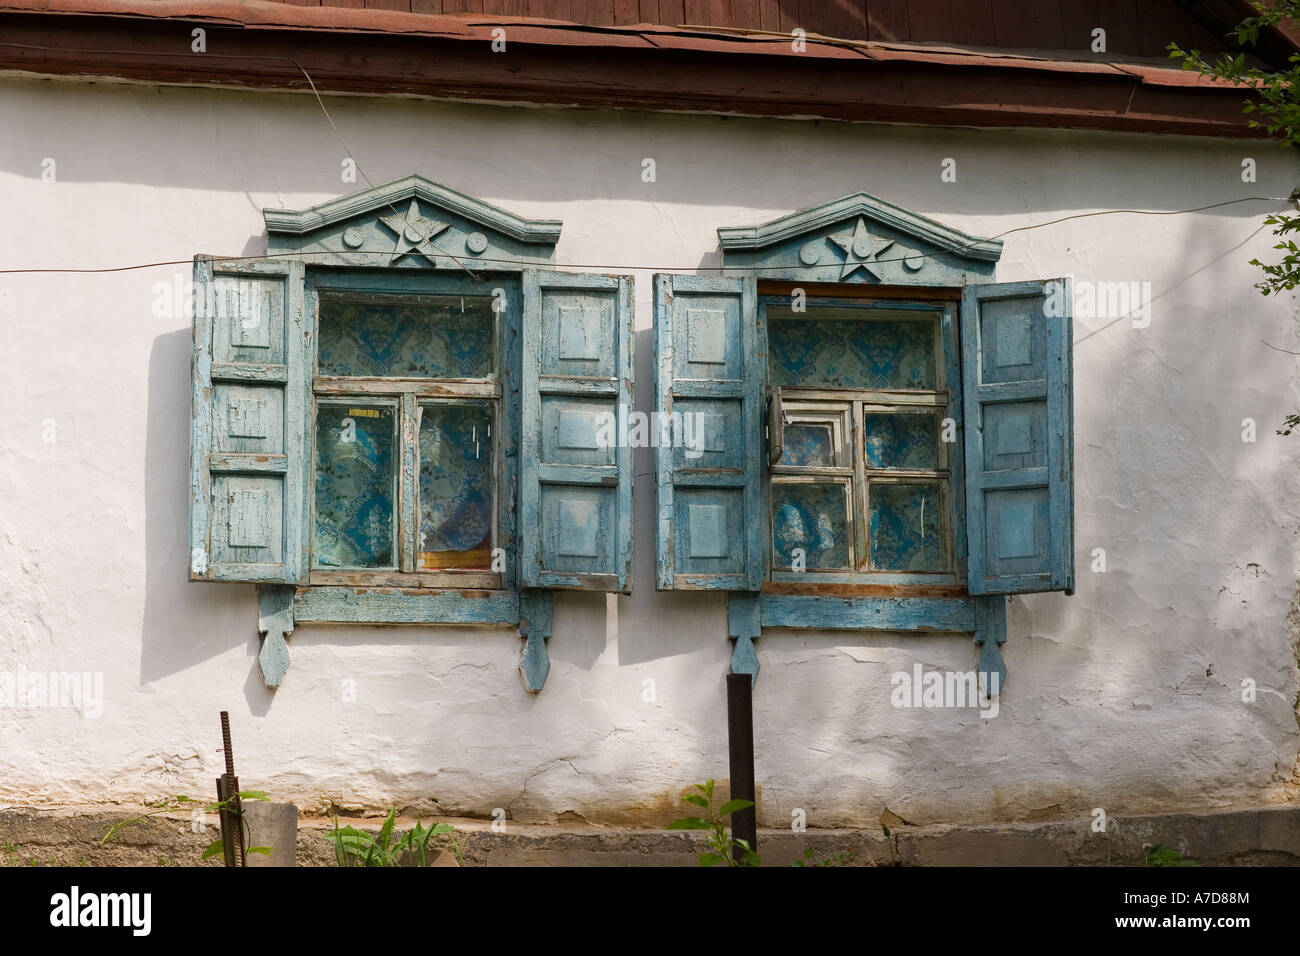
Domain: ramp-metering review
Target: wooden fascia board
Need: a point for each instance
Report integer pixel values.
(860, 89)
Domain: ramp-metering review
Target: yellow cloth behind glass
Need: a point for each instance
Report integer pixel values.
(477, 559)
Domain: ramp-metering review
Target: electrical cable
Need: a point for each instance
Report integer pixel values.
(351, 155)
(695, 269)
(654, 268)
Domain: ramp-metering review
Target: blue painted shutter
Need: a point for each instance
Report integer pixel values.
(1019, 409)
(575, 489)
(251, 404)
(709, 386)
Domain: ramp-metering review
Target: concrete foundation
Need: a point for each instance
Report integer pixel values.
(1267, 836)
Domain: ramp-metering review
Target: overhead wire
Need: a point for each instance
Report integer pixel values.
(659, 268)
(487, 259)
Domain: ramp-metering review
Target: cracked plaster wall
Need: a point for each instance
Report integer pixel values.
(1126, 695)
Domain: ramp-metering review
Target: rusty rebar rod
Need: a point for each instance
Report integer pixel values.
(231, 814)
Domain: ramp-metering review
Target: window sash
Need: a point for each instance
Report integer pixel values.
(942, 484)
(406, 518)
(940, 401)
(844, 482)
(408, 396)
(861, 477)
(492, 440)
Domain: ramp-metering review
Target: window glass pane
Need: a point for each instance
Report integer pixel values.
(406, 336)
(901, 440)
(355, 486)
(808, 443)
(812, 516)
(903, 526)
(852, 353)
(456, 486)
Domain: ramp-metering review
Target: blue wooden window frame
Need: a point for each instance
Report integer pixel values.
(949, 382)
(266, 478)
(832, 248)
(408, 394)
(890, 601)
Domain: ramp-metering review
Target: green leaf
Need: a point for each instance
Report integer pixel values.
(696, 799)
(348, 833)
(690, 823)
(731, 806)
(214, 849)
(711, 859)
(386, 831)
(248, 795)
(264, 850)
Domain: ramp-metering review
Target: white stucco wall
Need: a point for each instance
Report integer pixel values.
(1125, 696)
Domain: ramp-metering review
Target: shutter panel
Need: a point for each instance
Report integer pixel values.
(1019, 409)
(575, 490)
(250, 406)
(709, 386)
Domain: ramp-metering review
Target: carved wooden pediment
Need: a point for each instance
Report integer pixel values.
(412, 223)
(858, 239)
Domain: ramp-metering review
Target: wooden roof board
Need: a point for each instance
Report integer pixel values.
(1134, 27)
(266, 45)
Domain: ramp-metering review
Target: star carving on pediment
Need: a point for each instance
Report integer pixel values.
(860, 250)
(414, 233)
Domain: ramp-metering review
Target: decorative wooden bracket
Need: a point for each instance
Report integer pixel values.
(991, 634)
(274, 623)
(745, 625)
(535, 629)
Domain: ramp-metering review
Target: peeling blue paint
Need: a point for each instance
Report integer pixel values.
(275, 623)
(535, 612)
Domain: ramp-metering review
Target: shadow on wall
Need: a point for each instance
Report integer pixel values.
(183, 623)
(652, 625)
(197, 139)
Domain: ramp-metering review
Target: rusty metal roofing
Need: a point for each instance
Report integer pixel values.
(1134, 27)
(254, 44)
(260, 14)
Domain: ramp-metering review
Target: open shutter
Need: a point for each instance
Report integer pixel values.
(250, 407)
(709, 390)
(1019, 409)
(575, 489)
